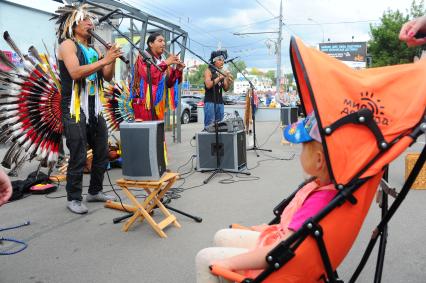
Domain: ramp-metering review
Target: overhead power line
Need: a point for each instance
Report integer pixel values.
(247, 25)
(334, 23)
(266, 9)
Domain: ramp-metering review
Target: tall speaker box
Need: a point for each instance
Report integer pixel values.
(142, 146)
(288, 115)
(231, 149)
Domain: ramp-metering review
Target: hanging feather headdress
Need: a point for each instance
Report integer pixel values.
(118, 105)
(67, 18)
(30, 113)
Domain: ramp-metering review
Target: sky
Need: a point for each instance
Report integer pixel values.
(213, 24)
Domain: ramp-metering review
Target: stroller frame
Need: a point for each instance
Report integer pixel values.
(285, 250)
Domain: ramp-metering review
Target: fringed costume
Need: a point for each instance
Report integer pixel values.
(164, 86)
(81, 111)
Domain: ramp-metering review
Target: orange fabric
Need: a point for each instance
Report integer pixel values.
(340, 228)
(277, 232)
(395, 94)
(230, 275)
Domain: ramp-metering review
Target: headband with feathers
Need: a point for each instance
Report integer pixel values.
(67, 17)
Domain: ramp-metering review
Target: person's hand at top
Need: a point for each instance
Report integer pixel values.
(411, 28)
(5, 188)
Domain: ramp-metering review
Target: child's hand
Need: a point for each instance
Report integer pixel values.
(260, 228)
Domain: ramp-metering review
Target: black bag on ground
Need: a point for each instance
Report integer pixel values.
(22, 187)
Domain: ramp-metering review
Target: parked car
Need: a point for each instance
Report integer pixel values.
(241, 99)
(189, 107)
(189, 112)
(229, 100)
(191, 98)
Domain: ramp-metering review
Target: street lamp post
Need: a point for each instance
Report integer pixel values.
(322, 28)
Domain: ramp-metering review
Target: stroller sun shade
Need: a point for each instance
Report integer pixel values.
(395, 96)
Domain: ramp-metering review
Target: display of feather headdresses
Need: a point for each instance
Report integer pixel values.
(68, 17)
(118, 105)
(30, 113)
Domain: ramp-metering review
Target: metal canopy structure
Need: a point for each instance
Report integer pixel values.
(142, 23)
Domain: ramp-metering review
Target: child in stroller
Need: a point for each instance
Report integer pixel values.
(244, 250)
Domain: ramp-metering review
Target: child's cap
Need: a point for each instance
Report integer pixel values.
(303, 131)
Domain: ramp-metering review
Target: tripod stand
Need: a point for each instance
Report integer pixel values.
(253, 116)
(195, 218)
(217, 148)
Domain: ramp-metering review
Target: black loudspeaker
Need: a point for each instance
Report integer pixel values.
(231, 148)
(142, 147)
(288, 115)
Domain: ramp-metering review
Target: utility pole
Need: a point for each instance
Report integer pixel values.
(277, 44)
(280, 26)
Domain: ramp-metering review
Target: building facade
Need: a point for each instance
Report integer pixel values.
(261, 84)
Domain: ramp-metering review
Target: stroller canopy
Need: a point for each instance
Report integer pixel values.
(396, 96)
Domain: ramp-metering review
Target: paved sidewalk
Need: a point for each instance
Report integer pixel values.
(64, 247)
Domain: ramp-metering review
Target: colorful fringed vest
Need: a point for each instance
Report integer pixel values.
(141, 95)
(84, 94)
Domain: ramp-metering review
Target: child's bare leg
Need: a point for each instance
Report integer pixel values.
(236, 238)
(206, 256)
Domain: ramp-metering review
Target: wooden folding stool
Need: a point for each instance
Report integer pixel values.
(142, 210)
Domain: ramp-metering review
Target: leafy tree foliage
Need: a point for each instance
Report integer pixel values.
(241, 65)
(197, 78)
(384, 46)
(271, 75)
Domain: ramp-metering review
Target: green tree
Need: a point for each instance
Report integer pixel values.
(417, 10)
(271, 75)
(241, 65)
(256, 72)
(384, 46)
(197, 77)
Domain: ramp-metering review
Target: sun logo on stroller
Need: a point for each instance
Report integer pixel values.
(367, 100)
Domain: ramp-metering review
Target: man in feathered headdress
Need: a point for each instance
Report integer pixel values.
(82, 69)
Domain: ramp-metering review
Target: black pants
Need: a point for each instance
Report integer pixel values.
(78, 135)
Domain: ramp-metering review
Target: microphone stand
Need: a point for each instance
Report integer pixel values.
(253, 116)
(149, 62)
(217, 148)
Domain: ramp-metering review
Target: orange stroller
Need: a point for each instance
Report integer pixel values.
(366, 119)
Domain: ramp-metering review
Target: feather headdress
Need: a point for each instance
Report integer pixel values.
(30, 113)
(118, 107)
(67, 17)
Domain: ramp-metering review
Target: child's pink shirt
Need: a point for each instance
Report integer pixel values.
(316, 201)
